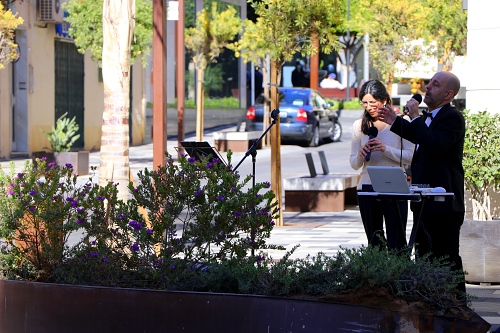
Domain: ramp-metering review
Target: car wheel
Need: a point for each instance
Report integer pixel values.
(335, 132)
(314, 142)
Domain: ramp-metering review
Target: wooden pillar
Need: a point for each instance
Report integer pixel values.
(314, 67)
(159, 105)
(180, 69)
(276, 145)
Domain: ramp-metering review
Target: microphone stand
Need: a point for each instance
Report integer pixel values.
(253, 151)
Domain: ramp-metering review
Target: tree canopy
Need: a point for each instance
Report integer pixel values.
(85, 18)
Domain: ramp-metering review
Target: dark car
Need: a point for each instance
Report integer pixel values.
(305, 117)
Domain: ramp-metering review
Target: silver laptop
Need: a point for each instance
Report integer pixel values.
(388, 179)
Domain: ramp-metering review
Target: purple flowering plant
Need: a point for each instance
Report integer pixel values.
(204, 211)
(179, 215)
(40, 208)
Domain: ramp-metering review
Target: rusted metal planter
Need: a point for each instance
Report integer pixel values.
(43, 307)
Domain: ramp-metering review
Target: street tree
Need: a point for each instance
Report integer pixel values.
(8, 24)
(252, 47)
(85, 18)
(115, 33)
(290, 27)
(447, 27)
(213, 32)
(393, 27)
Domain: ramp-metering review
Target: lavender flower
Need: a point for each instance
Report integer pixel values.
(135, 225)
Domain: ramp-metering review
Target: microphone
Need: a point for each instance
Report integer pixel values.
(275, 113)
(372, 133)
(416, 97)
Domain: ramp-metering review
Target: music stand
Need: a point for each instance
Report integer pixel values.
(200, 150)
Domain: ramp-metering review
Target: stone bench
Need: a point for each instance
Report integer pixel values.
(329, 192)
(323, 193)
(236, 141)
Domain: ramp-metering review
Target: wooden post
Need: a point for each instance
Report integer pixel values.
(314, 67)
(180, 85)
(276, 145)
(159, 105)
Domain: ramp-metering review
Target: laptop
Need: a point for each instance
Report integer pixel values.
(388, 179)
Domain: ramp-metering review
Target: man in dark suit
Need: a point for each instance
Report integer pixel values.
(439, 138)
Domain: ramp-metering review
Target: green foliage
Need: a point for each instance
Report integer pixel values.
(213, 79)
(63, 135)
(39, 209)
(351, 271)
(180, 215)
(289, 27)
(214, 31)
(191, 226)
(85, 17)
(481, 160)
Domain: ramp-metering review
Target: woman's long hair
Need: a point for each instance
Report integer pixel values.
(379, 92)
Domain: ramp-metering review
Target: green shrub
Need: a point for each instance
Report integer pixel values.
(189, 225)
(63, 135)
(481, 160)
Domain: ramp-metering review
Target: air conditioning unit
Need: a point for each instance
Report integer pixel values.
(50, 11)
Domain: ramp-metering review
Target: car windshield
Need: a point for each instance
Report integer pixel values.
(297, 98)
(289, 97)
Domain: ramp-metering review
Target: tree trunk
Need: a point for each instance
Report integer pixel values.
(199, 105)
(276, 142)
(118, 25)
(265, 74)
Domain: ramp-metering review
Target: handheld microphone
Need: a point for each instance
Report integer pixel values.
(372, 133)
(416, 97)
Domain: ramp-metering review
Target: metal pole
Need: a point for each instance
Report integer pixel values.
(347, 54)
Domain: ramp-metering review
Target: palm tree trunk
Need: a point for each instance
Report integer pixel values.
(118, 25)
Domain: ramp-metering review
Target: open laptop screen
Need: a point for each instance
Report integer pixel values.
(388, 179)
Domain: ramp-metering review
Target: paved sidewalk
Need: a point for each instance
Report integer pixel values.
(315, 232)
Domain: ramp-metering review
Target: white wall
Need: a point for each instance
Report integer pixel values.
(483, 49)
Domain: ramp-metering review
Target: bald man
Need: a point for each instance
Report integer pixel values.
(437, 161)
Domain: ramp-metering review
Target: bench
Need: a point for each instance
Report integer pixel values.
(236, 141)
(335, 93)
(328, 192)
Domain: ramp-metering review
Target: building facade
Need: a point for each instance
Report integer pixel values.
(51, 78)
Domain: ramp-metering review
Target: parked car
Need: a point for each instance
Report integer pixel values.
(305, 117)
